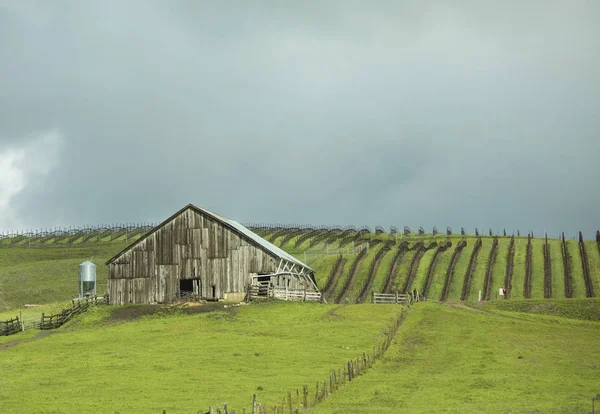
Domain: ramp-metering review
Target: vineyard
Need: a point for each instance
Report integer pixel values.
(350, 262)
(441, 267)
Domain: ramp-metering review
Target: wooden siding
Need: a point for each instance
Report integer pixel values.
(190, 246)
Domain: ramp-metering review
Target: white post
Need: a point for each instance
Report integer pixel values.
(479, 296)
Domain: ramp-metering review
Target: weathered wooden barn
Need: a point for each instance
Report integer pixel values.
(200, 253)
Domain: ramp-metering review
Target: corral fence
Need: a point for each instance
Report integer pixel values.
(15, 325)
(392, 298)
(59, 319)
(263, 290)
(11, 326)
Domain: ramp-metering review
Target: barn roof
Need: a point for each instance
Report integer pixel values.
(231, 224)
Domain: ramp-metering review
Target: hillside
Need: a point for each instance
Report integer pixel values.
(42, 267)
(183, 361)
(455, 359)
(529, 268)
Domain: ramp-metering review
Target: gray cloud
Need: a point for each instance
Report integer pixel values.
(473, 114)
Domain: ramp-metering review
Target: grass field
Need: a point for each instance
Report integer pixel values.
(184, 363)
(455, 359)
(45, 275)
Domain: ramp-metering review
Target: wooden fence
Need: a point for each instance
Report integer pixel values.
(265, 290)
(59, 319)
(392, 298)
(9, 327)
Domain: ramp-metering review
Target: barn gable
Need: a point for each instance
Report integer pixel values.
(197, 250)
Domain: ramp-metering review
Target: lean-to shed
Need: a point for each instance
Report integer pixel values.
(200, 253)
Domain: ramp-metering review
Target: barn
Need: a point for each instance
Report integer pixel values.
(199, 253)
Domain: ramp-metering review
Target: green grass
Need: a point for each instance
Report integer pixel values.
(558, 270)
(184, 363)
(35, 313)
(458, 360)
(20, 337)
(499, 268)
(593, 253)
(323, 268)
(478, 277)
(363, 273)
(403, 269)
(460, 270)
(578, 281)
(382, 271)
(422, 270)
(518, 279)
(46, 275)
(439, 274)
(537, 271)
(585, 309)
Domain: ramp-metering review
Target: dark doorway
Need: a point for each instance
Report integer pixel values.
(186, 286)
(214, 292)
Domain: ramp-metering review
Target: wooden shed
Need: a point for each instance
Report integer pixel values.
(200, 253)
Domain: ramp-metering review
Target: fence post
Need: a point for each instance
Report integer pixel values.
(254, 404)
(372, 296)
(350, 370)
(305, 396)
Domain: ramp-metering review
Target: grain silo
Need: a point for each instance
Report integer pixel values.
(87, 279)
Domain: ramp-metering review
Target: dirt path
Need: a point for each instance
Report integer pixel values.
(450, 271)
(40, 335)
(470, 270)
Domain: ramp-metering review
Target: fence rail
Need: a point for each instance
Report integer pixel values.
(392, 298)
(266, 290)
(9, 327)
(59, 319)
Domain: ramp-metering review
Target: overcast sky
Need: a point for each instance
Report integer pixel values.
(471, 113)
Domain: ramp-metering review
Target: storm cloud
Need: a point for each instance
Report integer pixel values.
(475, 114)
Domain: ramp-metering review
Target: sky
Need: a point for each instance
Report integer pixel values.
(481, 114)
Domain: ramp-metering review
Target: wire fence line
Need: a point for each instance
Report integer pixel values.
(108, 232)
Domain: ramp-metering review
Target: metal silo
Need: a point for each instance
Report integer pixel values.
(87, 279)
